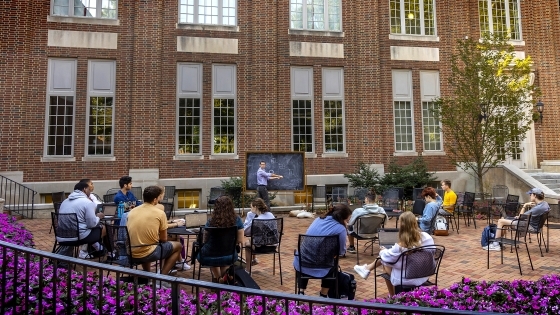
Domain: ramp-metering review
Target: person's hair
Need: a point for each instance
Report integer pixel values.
(262, 162)
(260, 205)
(409, 231)
(151, 193)
(81, 186)
(125, 180)
(85, 180)
(428, 191)
(539, 196)
(339, 212)
(371, 196)
(223, 214)
(447, 182)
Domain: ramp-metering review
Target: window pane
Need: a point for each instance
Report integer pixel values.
(302, 126)
(500, 16)
(189, 126)
(224, 126)
(61, 120)
(395, 8)
(296, 14)
(403, 126)
(430, 128)
(333, 126)
(100, 126)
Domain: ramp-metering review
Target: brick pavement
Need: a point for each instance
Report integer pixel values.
(463, 258)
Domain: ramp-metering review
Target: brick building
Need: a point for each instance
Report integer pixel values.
(176, 92)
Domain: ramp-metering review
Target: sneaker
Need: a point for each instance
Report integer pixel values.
(183, 266)
(351, 250)
(362, 271)
(172, 272)
(254, 262)
(492, 247)
(163, 285)
(83, 254)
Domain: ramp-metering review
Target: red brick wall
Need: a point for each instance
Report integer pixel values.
(146, 59)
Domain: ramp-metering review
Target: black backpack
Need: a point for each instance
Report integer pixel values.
(346, 286)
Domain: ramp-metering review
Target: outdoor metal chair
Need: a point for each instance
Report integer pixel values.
(551, 226)
(365, 228)
(543, 218)
(137, 192)
(452, 219)
(416, 263)
(67, 232)
(466, 208)
(391, 199)
(511, 205)
(318, 252)
(109, 198)
(499, 194)
(56, 206)
(112, 191)
(168, 209)
(319, 196)
(215, 193)
(266, 237)
(169, 197)
(214, 242)
(518, 236)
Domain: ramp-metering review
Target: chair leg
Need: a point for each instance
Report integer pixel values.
(529, 255)
(280, 267)
(357, 252)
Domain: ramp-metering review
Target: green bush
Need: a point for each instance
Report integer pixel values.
(234, 189)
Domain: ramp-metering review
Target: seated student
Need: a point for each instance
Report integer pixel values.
(369, 208)
(125, 194)
(433, 202)
(539, 206)
(91, 231)
(409, 237)
(333, 223)
(223, 216)
(147, 226)
(259, 211)
(449, 198)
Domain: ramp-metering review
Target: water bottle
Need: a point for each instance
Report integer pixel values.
(120, 209)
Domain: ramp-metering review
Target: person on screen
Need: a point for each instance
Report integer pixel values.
(262, 181)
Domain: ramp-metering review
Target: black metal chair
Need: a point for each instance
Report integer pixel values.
(213, 242)
(518, 236)
(319, 196)
(543, 218)
(168, 197)
(511, 205)
(551, 226)
(416, 263)
(499, 194)
(215, 193)
(365, 229)
(137, 192)
(120, 245)
(466, 208)
(266, 237)
(416, 192)
(418, 207)
(391, 199)
(112, 191)
(56, 206)
(66, 226)
(109, 198)
(319, 252)
(360, 195)
(451, 217)
(168, 209)
(338, 194)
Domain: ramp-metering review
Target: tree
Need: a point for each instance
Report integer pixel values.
(364, 177)
(488, 112)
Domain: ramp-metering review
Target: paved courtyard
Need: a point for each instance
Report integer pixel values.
(463, 258)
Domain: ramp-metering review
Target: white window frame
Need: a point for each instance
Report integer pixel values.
(302, 93)
(195, 92)
(98, 10)
(54, 90)
(93, 92)
(334, 93)
(326, 20)
(403, 95)
(404, 17)
(224, 94)
(184, 8)
(429, 91)
(490, 19)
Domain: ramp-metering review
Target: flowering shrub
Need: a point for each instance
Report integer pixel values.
(519, 296)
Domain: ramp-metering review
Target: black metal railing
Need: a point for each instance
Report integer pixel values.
(21, 265)
(19, 198)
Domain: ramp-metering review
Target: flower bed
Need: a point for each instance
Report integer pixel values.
(520, 296)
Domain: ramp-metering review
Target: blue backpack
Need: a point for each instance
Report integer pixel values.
(488, 233)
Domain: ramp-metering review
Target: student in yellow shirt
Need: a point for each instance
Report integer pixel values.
(449, 198)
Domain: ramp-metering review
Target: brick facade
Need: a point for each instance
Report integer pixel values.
(146, 84)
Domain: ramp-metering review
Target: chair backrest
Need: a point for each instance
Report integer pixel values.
(440, 192)
(416, 192)
(65, 225)
(522, 227)
(267, 232)
(56, 206)
(318, 251)
(421, 262)
(369, 224)
(542, 220)
(112, 191)
(215, 192)
(512, 198)
(468, 199)
(137, 191)
(169, 192)
(391, 198)
(58, 196)
(119, 240)
(500, 192)
(109, 209)
(168, 209)
(418, 206)
(218, 241)
(360, 194)
(109, 198)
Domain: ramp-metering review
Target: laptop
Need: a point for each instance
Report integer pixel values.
(193, 221)
(109, 210)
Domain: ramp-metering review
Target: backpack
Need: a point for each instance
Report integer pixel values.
(346, 286)
(441, 228)
(488, 233)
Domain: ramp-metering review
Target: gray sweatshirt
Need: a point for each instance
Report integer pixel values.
(371, 208)
(79, 203)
